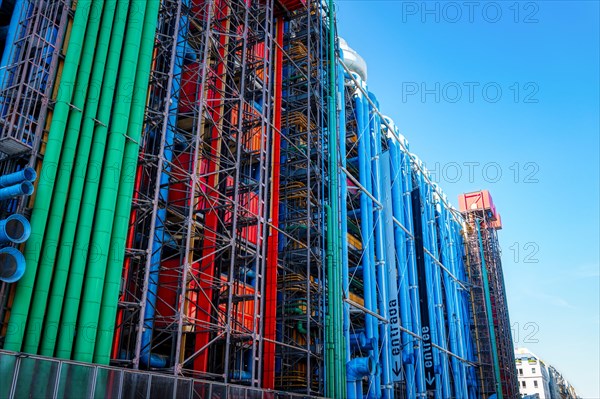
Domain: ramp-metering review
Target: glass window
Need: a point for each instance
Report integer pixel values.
(533, 370)
(535, 384)
(523, 383)
(520, 371)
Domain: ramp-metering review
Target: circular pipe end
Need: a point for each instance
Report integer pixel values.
(12, 265)
(27, 187)
(30, 174)
(16, 228)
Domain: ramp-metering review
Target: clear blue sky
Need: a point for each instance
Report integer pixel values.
(535, 146)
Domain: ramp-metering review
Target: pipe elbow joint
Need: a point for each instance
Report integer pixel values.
(153, 360)
(360, 341)
(360, 367)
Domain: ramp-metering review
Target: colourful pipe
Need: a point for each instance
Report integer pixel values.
(454, 312)
(439, 335)
(368, 279)
(350, 384)
(84, 193)
(17, 190)
(387, 390)
(10, 38)
(159, 239)
(109, 187)
(402, 255)
(12, 264)
(23, 296)
(336, 381)
(374, 391)
(110, 296)
(270, 321)
(25, 174)
(207, 264)
(54, 221)
(14, 229)
(412, 209)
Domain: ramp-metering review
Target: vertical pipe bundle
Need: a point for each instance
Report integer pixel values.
(23, 295)
(62, 183)
(84, 204)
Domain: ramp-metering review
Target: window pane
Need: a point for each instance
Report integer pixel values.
(43, 372)
(7, 363)
(108, 383)
(75, 381)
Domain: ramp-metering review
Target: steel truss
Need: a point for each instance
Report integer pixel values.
(301, 300)
(480, 327)
(203, 195)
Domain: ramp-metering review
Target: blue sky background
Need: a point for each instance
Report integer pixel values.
(535, 146)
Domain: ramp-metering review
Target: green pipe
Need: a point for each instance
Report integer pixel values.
(488, 307)
(300, 328)
(23, 294)
(112, 283)
(87, 323)
(329, 341)
(69, 222)
(61, 187)
(334, 275)
(80, 217)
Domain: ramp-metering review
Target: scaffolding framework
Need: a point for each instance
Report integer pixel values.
(203, 194)
(227, 274)
(501, 322)
(300, 319)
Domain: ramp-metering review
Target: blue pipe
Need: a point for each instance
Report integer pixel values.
(453, 316)
(466, 320)
(17, 177)
(23, 188)
(15, 229)
(12, 264)
(428, 275)
(374, 391)
(413, 277)
(461, 333)
(160, 237)
(381, 272)
(368, 283)
(344, 221)
(359, 341)
(10, 39)
(402, 265)
(360, 367)
(438, 297)
(433, 285)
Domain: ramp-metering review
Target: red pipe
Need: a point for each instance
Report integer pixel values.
(127, 263)
(270, 319)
